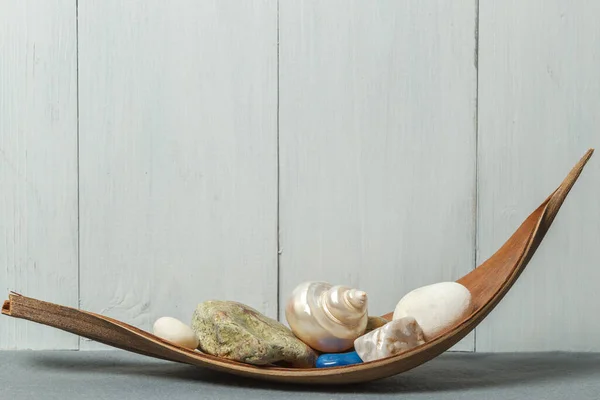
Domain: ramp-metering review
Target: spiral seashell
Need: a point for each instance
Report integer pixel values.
(328, 318)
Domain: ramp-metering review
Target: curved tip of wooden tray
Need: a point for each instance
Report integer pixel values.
(488, 284)
(6, 307)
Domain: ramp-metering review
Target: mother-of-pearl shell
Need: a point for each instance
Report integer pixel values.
(328, 318)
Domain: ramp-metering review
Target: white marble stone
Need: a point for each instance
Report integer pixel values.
(175, 331)
(392, 338)
(436, 307)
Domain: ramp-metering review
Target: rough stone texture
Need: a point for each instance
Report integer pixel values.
(392, 338)
(374, 323)
(238, 332)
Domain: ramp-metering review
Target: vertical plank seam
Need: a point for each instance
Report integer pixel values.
(77, 163)
(476, 206)
(278, 179)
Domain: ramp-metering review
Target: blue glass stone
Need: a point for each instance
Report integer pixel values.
(338, 359)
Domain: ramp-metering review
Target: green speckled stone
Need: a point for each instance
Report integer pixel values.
(238, 332)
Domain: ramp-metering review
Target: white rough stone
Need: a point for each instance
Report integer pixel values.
(436, 307)
(394, 337)
(175, 331)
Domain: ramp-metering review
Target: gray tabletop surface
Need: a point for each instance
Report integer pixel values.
(120, 375)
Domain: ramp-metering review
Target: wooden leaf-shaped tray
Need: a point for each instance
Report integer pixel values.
(488, 284)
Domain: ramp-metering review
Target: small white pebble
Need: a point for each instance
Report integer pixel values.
(175, 331)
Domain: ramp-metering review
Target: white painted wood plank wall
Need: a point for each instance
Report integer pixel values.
(368, 110)
(38, 162)
(539, 111)
(377, 145)
(178, 156)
